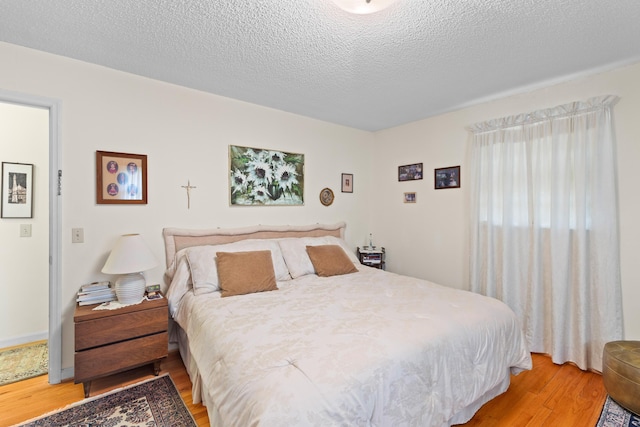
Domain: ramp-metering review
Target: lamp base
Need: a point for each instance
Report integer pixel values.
(130, 288)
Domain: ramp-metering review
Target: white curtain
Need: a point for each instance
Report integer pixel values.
(544, 226)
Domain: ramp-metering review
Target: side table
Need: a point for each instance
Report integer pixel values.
(372, 257)
(112, 341)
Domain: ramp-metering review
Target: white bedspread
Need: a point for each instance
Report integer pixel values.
(365, 349)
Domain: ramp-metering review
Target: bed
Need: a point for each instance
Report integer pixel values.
(333, 343)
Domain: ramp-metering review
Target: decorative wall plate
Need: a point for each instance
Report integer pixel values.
(326, 196)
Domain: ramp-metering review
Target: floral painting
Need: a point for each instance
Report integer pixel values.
(265, 177)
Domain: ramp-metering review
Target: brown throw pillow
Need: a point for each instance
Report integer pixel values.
(330, 260)
(242, 273)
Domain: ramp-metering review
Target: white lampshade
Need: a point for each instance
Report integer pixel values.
(362, 7)
(130, 257)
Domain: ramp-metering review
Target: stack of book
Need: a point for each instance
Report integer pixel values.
(370, 257)
(96, 293)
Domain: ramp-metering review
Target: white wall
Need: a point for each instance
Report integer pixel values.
(429, 239)
(185, 134)
(24, 265)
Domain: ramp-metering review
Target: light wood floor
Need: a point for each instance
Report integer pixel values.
(548, 395)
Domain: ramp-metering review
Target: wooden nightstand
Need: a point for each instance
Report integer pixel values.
(111, 341)
(372, 257)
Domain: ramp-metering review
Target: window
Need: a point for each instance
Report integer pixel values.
(544, 231)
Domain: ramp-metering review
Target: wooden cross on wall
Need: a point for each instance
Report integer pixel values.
(188, 187)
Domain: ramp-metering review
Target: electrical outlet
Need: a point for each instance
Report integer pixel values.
(77, 235)
(25, 230)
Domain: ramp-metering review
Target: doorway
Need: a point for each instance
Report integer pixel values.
(30, 249)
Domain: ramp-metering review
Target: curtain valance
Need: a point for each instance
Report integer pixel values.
(560, 111)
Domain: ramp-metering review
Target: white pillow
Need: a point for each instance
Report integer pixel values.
(171, 270)
(180, 285)
(202, 262)
(294, 251)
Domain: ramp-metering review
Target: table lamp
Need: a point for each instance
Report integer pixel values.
(130, 257)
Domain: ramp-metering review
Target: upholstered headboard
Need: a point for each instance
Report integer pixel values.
(176, 239)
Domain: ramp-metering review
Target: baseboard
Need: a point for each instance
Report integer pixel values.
(67, 374)
(24, 339)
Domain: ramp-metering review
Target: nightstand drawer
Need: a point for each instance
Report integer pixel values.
(113, 329)
(114, 358)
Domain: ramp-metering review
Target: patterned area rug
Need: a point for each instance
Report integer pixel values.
(23, 362)
(614, 415)
(154, 402)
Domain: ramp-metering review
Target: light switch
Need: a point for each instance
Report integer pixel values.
(77, 235)
(25, 230)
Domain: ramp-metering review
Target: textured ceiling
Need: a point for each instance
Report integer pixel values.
(413, 60)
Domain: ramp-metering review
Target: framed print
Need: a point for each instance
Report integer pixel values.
(447, 177)
(409, 197)
(259, 177)
(326, 197)
(121, 178)
(410, 172)
(17, 190)
(347, 183)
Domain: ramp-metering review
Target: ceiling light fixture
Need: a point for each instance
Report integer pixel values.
(362, 7)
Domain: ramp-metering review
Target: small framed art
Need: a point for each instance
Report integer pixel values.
(121, 178)
(410, 172)
(447, 177)
(326, 197)
(17, 190)
(347, 183)
(410, 197)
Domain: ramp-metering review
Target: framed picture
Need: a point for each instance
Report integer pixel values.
(410, 172)
(259, 177)
(326, 197)
(447, 177)
(409, 197)
(121, 178)
(347, 183)
(17, 190)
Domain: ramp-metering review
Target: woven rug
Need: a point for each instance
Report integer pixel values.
(614, 415)
(23, 362)
(151, 403)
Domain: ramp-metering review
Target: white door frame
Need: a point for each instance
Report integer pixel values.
(55, 217)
